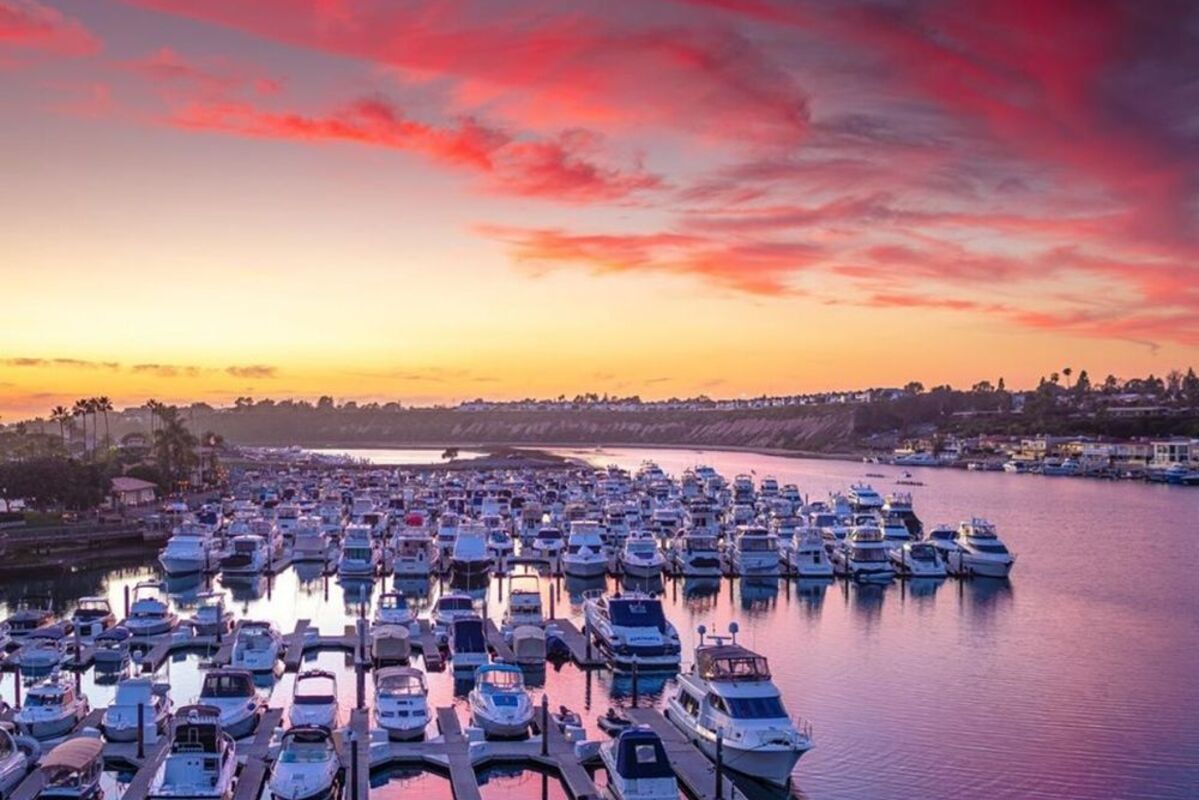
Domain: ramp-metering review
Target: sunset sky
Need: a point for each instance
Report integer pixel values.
(429, 202)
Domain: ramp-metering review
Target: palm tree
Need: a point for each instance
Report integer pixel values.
(60, 414)
(80, 410)
(104, 405)
(154, 407)
(174, 446)
(1067, 371)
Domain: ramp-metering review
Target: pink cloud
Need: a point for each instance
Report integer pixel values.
(32, 27)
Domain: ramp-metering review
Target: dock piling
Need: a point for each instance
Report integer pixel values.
(141, 730)
(720, 764)
(545, 725)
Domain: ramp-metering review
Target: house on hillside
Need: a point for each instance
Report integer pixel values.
(128, 492)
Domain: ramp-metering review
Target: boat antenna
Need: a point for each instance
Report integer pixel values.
(702, 629)
(733, 628)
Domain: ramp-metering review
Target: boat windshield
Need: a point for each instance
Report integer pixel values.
(501, 680)
(755, 707)
(454, 604)
(301, 752)
(44, 700)
(868, 555)
(227, 686)
(637, 614)
(988, 547)
(924, 552)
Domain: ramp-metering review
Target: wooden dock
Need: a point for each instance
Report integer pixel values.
(457, 752)
(293, 643)
(695, 771)
(426, 642)
(576, 642)
(358, 781)
(500, 650)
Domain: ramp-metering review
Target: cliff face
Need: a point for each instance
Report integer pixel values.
(826, 429)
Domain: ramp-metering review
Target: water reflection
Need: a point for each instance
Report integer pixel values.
(759, 595)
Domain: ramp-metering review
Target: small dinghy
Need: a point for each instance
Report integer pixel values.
(613, 722)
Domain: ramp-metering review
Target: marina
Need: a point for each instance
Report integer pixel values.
(323, 620)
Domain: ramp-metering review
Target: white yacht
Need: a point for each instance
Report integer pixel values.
(641, 558)
(31, 612)
(524, 603)
(401, 702)
(917, 560)
(547, 544)
(499, 703)
(311, 543)
(900, 503)
(92, 617)
(72, 770)
(471, 559)
(41, 652)
(696, 553)
(307, 767)
(52, 709)
(895, 529)
(806, 556)
(212, 615)
(111, 652)
(755, 551)
(231, 692)
(257, 648)
(631, 629)
(981, 551)
(149, 613)
(188, 551)
(359, 556)
(945, 540)
(863, 555)
(200, 764)
(393, 609)
(245, 554)
(119, 723)
(863, 497)
(449, 607)
(637, 766)
(415, 556)
(447, 536)
(314, 700)
(586, 555)
(499, 544)
(729, 690)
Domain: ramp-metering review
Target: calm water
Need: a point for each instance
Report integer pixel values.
(1078, 679)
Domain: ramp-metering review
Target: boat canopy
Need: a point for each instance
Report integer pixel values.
(640, 754)
(74, 754)
(730, 662)
(400, 680)
(468, 635)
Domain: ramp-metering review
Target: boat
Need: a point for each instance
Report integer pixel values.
(231, 692)
(92, 617)
(529, 645)
(632, 631)
(917, 560)
(863, 497)
(111, 652)
(149, 613)
(390, 644)
(200, 763)
(585, 556)
(308, 765)
(981, 552)
(641, 558)
(245, 555)
(729, 690)
(393, 609)
(613, 722)
(547, 544)
(119, 723)
(187, 552)
(900, 504)
(944, 539)
(696, 553)
(415, 556)
(401, 702)
(895, 529)
(447, 536)
(72, 770)
(468, 644)
(806, 557)
(311, 542)
(524, 603)
(359, 556)
(31, 612)
(471, 559)
(314, 700)
(499, 704)
(257, 647)
(41, 652)
(499, 544)
(637, 766)
(211, 617)
(52, 709)
(755, 551)
(449, 607)
(863, 555)
(18, 754)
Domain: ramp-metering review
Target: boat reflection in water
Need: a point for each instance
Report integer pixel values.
(759, 595)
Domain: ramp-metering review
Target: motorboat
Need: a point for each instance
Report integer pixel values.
(447, 536)
(393, 609)
(641, 558)
(632, 630)
(92, 617)
(149, 613)
(755, 551)
(944, 538)
(637, 766)
(696, 553)
(528, 644)
(863, 555)
(41, 652)
(414, 555)
(359, 556)
(471, 559)
(450, 607)
(111, 652)
(981, 552)
(231, 692)
(245, 554)
(308, 765)
(52, 709)
(807, 557)
(257, 647)
(895, 529)
(729, 691)
(900, 503)
(499, 704)
(200, 763)
(401, 702)
(30, 613)
(314, 700)
(524, 603)
(391, 644)
(917, 560)
(499, 544)
(18, 754)
(547, 544)
(311, 542)
(212, 617)
(188, 551)
(72, 770)
(468, 644)
(586, 555)
(119, 723)
(863, 497)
